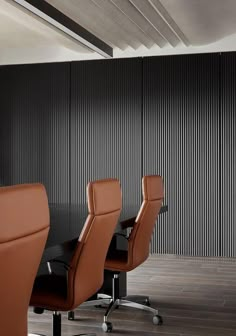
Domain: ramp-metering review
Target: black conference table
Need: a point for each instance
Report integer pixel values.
(66, 223)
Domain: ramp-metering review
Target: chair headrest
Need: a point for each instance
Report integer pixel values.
(24, 210)
(104, 196)
(153, 188)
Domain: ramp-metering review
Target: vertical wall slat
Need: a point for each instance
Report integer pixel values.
(181, 141)
(106, 126)
(228, 153)
(34, 127)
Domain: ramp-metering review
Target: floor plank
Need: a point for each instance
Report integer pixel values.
(195, 296)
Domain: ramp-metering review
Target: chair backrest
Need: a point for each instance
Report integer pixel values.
(24, 225)
(86, 272)
(141, 234)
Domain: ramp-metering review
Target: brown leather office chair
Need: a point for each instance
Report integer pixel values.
(86, 268)
(138, 248)
(24, 225)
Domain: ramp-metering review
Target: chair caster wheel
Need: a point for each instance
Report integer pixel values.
(71, 315)
(38, 310)
(107, 326)
(157, 320)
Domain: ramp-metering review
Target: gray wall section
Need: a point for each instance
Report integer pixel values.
(34, 128)
(65, 124)
(181, 142)
(228, 154)
(106, 126)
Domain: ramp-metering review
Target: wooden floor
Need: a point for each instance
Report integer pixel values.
(195, 296)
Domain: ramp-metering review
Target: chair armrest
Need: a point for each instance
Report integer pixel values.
(65, 265)
(128, 223)
(121, 235)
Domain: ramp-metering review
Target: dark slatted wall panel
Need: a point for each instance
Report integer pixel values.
(228, 154)
(34, 128)
(106, 125)
(173, 115)
(181, 142)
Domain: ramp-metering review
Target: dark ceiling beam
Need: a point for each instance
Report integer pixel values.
(62, 22)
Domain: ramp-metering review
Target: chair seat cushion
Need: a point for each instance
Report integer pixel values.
(50, 292)
(117, 260)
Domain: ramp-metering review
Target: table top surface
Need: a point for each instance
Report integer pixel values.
(66, 224)
(67, 221)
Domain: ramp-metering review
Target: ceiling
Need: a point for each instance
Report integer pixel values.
(132, 28)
